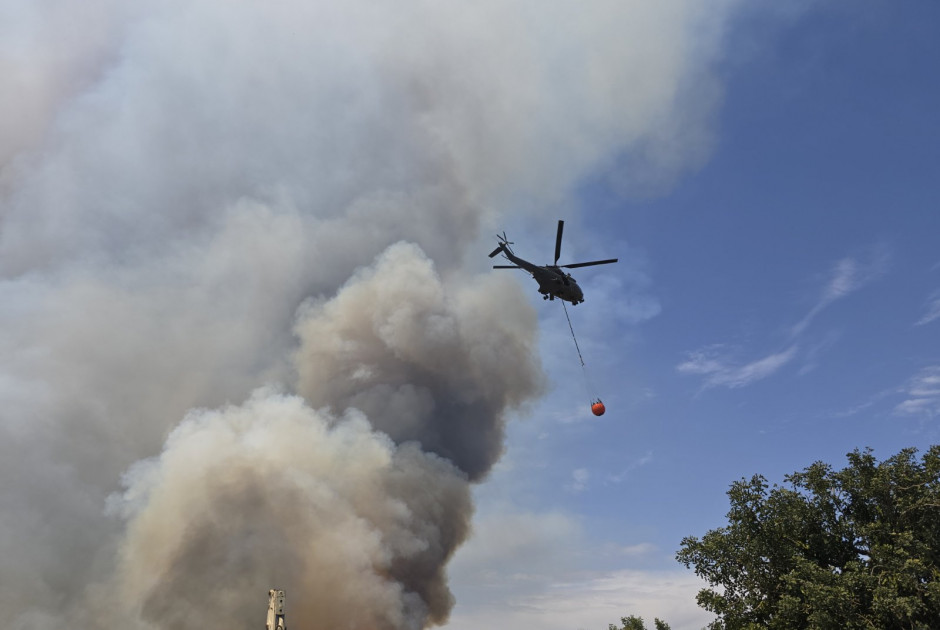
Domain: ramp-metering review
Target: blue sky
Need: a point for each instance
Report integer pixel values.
(243, 246)
(775, 307)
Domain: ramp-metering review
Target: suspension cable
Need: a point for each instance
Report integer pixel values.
(571, 328)
(597, 407)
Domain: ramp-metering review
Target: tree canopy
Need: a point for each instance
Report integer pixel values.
(634, 622)
(853, 548)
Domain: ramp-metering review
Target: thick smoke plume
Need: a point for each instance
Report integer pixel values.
(424, 365)
(202, 198)
(357, 514)
(272, 492)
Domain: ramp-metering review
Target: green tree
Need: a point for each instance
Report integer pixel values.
(854, 548)
(634, 622)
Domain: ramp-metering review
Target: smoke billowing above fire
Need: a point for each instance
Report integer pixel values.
(272, 492)
(240, 342)
(425, 364)
(357, 513)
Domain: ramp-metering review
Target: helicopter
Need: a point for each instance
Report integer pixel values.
(553, 282)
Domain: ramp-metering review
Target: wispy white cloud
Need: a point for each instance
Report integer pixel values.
(538, 569)
(580, 478)
(933, 310)
(847, 276)
(721, 367)
(623, 474)
(922, 394)
(851, 411)
(722, 370)
(591, 600)
(811, 356)
(868, 403)
(640, 549)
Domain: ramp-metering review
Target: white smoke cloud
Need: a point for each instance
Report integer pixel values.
(274, 492)
(177, 178)
(49, 52)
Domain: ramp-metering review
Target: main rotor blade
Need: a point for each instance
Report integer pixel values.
(561, 229)
(588, 264)
(506, 267)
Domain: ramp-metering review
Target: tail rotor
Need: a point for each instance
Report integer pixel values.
(504, 244)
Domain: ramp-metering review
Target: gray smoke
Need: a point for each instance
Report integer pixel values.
(424, 364)
(198, 199)
(272, 492)
(358, 524)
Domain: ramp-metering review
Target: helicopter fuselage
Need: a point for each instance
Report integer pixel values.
(553, 282)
